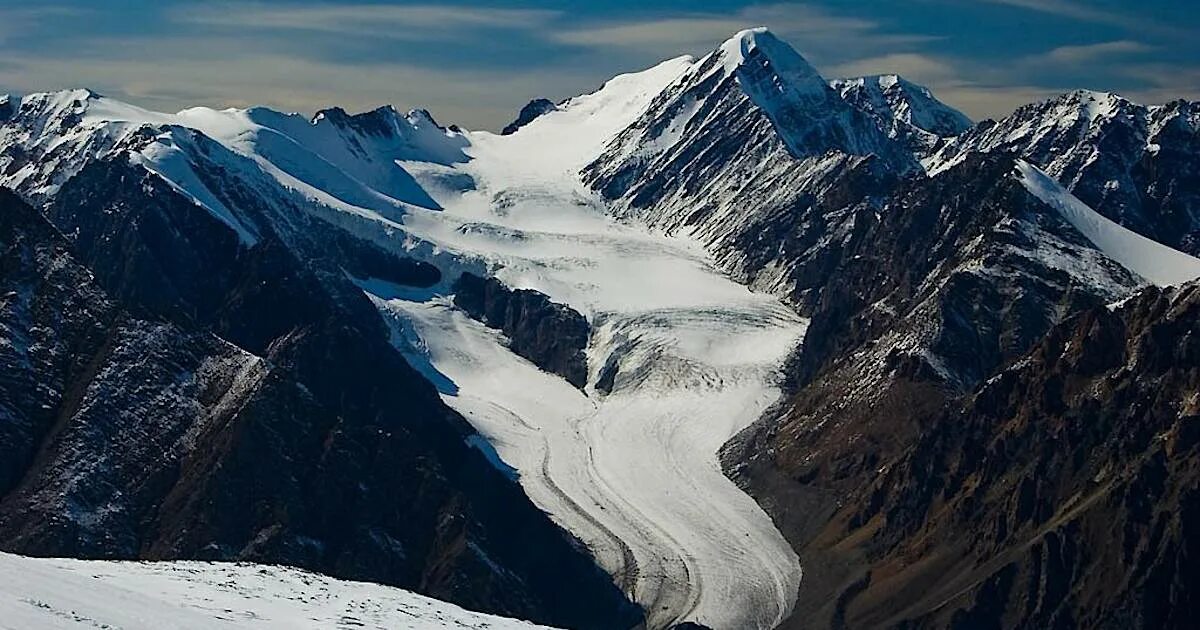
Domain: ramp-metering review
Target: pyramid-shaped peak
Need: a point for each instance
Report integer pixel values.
(752, 42)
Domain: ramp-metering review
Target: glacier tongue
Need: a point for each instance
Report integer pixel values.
(633, 473)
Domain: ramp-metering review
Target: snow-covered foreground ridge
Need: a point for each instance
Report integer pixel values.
(54, 594)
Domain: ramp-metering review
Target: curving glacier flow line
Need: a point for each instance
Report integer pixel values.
(633, 473)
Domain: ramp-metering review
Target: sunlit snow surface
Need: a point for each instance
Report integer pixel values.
(62, 594)
(1148, 258)
(633, 473)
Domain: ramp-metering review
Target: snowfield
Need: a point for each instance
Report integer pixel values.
(633, 473)
(63, 594)
(1157, 263)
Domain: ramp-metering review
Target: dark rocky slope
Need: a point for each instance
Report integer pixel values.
(530, 112)
(552, 336)
(231, 402)
(951, 278)
(1061, 493)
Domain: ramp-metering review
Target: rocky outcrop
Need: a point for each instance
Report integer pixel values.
(191, 397)
(530, 112)
(1137, 165)
(552, 336)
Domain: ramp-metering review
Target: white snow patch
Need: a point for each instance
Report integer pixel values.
(64, 594)
(1148, 258)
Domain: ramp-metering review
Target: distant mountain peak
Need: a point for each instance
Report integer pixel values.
(903, 109)
(380, 121)
(532, 110)
(744, 49)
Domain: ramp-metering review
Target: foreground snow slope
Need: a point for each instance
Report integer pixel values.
(53, 594)
(633, 473)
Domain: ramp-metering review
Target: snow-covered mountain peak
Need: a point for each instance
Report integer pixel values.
(1090, 105)
(766, 66)
(383, 122)
(55, 104)
(748, 45)
(737, 48)
(903, 109)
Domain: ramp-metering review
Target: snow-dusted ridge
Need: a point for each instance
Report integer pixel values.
(64, 594)
(1149, 259)
(905, 110)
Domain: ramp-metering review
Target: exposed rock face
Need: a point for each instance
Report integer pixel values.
(552, 336)
(1061, 493)
(529, 113)
(1137, 165)
(920, 289)
(950, 279)
(228, 402)
(7, 107)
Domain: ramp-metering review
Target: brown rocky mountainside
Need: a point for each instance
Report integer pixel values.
(1063, 492)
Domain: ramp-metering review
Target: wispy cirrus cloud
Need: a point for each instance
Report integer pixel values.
(1069, 9)
(1093, 52)
(15, 21)
(477, 61)
(1080, 11)
(812, 29)
(410, 21)
(1162, 82)
(185, 72)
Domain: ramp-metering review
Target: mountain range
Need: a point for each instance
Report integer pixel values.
(722, 344)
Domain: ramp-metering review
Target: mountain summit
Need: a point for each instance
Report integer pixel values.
(904, 109)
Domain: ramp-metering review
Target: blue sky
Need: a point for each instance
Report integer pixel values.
(476, 63)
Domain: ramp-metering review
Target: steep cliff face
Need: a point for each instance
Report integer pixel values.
(552, 336)
(528, 114)
(250, 407)
(1061, 493)
(748, 147)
